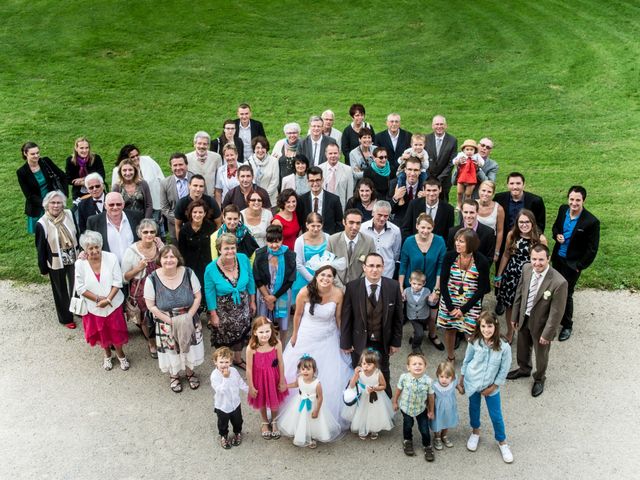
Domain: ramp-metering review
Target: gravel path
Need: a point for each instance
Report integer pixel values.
(62, 416)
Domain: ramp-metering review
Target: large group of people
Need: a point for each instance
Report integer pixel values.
(306, 261)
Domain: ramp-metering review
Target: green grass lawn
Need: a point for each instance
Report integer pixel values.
(555, 84)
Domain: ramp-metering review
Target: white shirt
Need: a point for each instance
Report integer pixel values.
(434, 209)
(245, 135)
(227, 389)
(347, 240)
(368, 285)
(388, 243)
(394, 139)
(119, 240)
(540, 280)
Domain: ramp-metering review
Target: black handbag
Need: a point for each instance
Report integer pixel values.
(54, 180)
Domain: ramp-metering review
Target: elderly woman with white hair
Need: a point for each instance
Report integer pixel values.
(286, 148)
(138, 262)
(99, 280)
(203, 161)
(57, 252)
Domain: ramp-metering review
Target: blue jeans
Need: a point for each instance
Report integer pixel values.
(423, 427)
(495, 413)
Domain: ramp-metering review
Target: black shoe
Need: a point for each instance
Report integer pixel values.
(407, 446)
(517, 373)
(428, 454)
(500, 309)
(537, 389)
(565, 334)
(435, 341)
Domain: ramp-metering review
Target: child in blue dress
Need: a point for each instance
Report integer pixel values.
(446, 412)
(484, 370)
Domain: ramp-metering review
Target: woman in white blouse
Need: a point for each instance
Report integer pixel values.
(266, 170)
(256, 218)
(227, 176)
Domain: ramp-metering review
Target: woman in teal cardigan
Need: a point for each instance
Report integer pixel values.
(230, 291)
(424, 252)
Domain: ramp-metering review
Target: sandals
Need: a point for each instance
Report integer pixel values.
(312, 444)
(236, 440)
(107, 363)
(266, 432)
(153, 353)
(435, 341)
(241, 364)
(373, 435)
(224, 443)
(175, 385)
(194, 381)
(275, 433)
(451, 360)
(124, 363)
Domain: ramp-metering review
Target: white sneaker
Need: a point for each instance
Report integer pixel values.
(507, 456)
(472, 443)
(107, 363)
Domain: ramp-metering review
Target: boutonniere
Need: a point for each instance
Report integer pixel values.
(361, 258)
(547, 294)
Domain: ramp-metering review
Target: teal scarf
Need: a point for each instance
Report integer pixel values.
(280, 309)
(383, 172)
(241, 231)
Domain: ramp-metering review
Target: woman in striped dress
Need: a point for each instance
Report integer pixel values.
(465, 277)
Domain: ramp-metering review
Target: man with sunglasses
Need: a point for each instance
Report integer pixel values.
(117, 227)
(93, 203)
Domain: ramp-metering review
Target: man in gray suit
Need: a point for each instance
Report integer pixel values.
(352, 246)
(539, 305)
(172, 189)
(313, 146)
(442, 148)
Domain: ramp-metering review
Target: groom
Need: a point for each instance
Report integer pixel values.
(372, 315)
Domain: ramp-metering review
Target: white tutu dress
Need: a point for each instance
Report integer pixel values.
(318, 336)
(295, 417)
(370, 416)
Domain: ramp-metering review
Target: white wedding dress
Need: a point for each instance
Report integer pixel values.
(319, 337)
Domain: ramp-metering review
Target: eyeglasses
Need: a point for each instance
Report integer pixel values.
(255, 200)
(148, 232)
(382, 157)
(94, 187)
(115, 204)
(314, 180)
(291, 133)
(523, 222)
(484, 145)
(375, 266)
(230, 128)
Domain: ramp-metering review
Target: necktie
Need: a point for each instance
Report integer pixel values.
(410, 192)
(315, 205)
(97, 201)
(315, 153)
(438, 146)
(533, 290)
(350, 251)
(430, 211)
(182, 189)
(332, 180)
(372, 295)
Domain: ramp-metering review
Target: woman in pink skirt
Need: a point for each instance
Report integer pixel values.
(99, 280)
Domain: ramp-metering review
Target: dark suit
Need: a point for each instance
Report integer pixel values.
(86, 209)
(353, 326)
(331, 212)
(400, 209)
(257, 130)
(582, 251)
(383, 139)
(440, 165)
(98, 223)
(487, 240)
(306, 148)
(543, 320)
(445, 218)
(530, 202)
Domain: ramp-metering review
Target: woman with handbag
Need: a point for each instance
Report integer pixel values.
(99, 280)
(57, 252)
(138, 262)
(37, 177)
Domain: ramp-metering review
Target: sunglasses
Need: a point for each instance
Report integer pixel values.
(115, 204)
(255, 200)
(488, 147)
(148, 232)
(94, 187)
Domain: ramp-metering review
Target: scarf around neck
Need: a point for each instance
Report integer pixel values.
(383, 172)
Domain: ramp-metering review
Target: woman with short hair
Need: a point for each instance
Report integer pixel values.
(57, 252)
(230, 291)
(265, 168)
(351, 134)
(99, 280)
(256, 218)
(231, 224)
(227, 176)
(228, 137)
(173, 295)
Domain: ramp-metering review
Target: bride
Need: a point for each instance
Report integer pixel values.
(316, 332)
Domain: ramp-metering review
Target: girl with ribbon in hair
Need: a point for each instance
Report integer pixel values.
(373, 411)
(305, 417)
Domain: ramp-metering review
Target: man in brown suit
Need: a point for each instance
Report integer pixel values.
(537, 311)
(372, 315)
